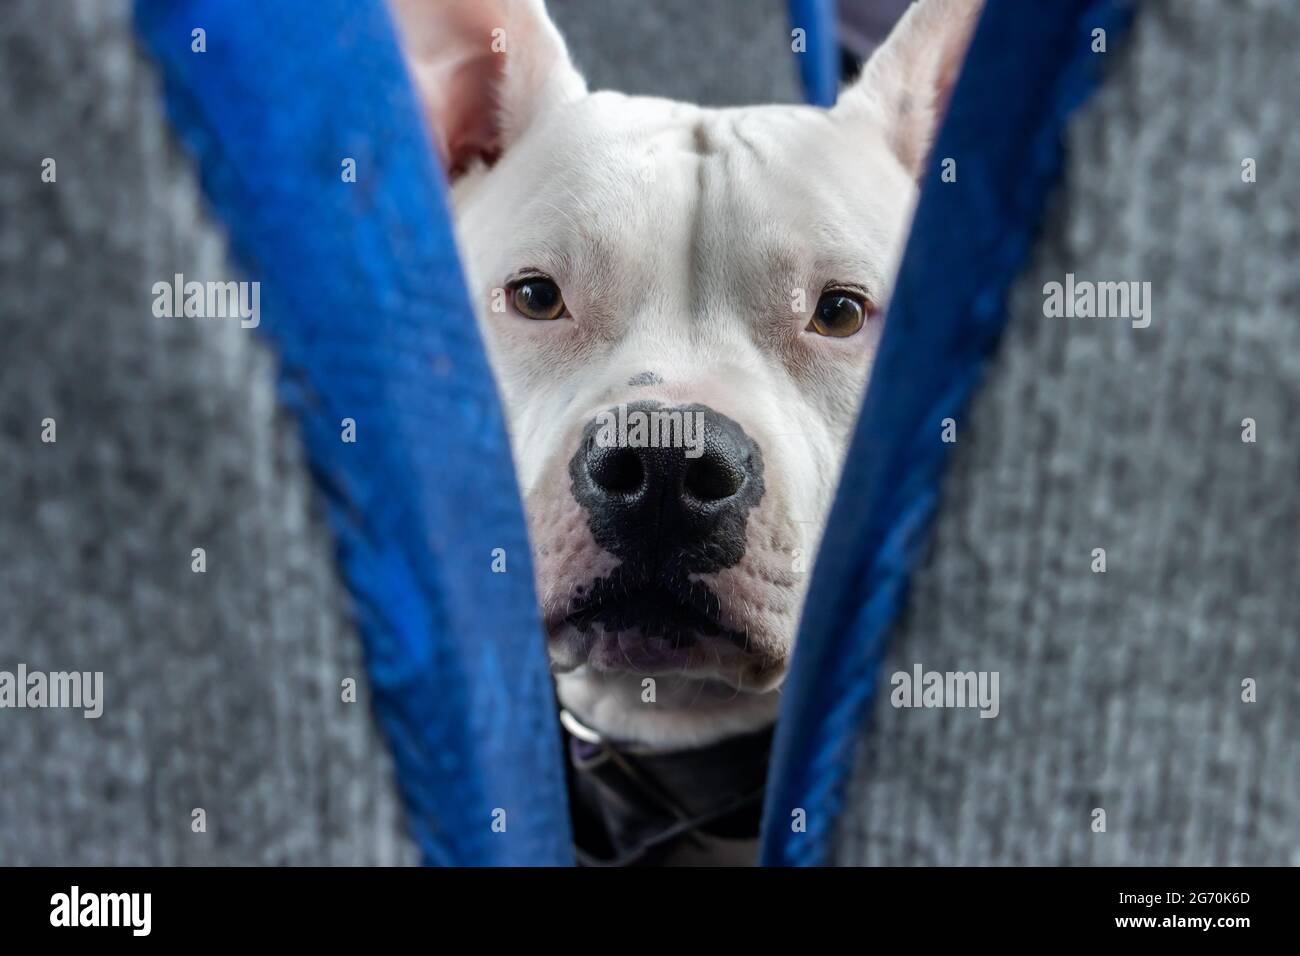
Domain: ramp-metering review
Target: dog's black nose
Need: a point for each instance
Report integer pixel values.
(668, 489)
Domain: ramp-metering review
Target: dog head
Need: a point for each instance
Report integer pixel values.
(682, 306)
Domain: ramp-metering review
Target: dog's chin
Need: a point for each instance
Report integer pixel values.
(684, 711)
(702, 657)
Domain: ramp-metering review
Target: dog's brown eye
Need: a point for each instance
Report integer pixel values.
(839, 313)
(537, 297)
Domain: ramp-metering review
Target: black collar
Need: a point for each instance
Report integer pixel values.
(634, 807)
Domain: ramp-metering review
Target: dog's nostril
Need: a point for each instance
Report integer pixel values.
(713, 477)
(616, 470)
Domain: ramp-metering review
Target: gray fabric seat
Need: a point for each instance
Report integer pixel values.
(222, 689)
(1122, 691)
(711, 52)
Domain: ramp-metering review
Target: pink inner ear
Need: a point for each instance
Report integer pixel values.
(477, 92)
(468, 127)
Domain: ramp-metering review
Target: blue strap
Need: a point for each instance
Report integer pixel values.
(1030, 65)
(363, 298)
(819, 62)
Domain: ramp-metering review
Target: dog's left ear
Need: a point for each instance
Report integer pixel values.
(904, 87)
(485, 70)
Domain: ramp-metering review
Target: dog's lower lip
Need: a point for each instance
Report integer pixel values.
(619, 625)
(654, 610)
(627, 623)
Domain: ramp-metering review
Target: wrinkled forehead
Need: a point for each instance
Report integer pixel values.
(613, 184)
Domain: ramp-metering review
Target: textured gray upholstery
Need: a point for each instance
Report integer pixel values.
(712, 52)
(1123, 690)
(222, 689)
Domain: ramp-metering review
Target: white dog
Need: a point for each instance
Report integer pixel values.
(682, 306)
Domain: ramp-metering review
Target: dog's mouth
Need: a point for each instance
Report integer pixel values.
(643, 626)
(677, 610)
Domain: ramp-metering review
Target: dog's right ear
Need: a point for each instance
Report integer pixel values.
(484, 71)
